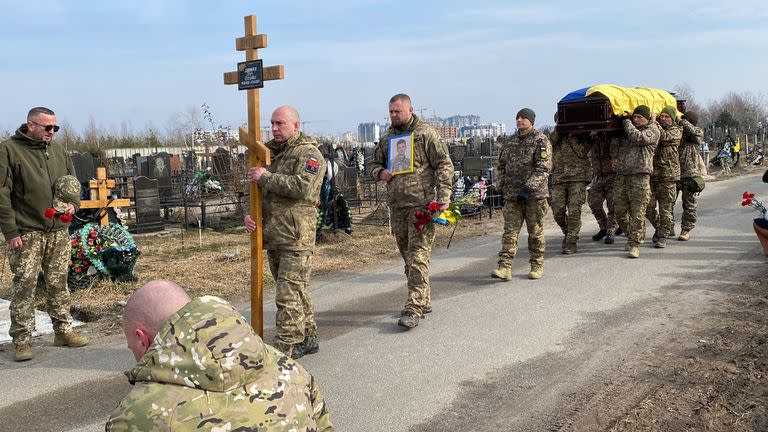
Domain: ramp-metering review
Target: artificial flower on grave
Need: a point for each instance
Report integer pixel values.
(101, 251)
(449, 216)
(748, 199)
(52, 213)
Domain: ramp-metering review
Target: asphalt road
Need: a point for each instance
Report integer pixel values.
(493, 355)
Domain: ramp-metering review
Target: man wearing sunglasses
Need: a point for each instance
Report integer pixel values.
(29, 166)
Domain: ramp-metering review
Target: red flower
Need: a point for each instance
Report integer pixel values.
(743, 203)
(90, 241)
(94, 234)
(74, 243)
(78, 269)
(65, 218)
(433, 206)
(98, 248)
(50, 213)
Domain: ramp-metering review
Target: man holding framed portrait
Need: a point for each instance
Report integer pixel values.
(416, 166)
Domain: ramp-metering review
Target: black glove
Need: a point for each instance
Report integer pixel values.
(523, 194)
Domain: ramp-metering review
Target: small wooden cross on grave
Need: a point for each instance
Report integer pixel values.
(102, 186)
(250, 76)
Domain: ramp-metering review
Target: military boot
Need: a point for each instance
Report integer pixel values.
(569, 248)
(660, 244)
(634, 252)
(600, 234)
(23, 352)
(619, 231)
(310, 345)
(408, 319)
(503, 273)
(609, 238)
(685, 235)
(537, 271)
(671, 233)
(70, 339)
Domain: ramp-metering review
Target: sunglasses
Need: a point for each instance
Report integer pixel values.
(47, 128)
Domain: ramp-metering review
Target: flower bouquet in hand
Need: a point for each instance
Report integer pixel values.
(433, 215)
(760, 225)
(52, 213)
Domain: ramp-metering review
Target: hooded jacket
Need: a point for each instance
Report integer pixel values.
(28, 172)
(432, 176)
(207, 370)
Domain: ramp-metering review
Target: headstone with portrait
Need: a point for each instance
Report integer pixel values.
(147, 198)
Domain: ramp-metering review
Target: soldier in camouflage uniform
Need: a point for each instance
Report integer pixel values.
(30, 165)
(431, 180)
(290, 189)
(666, 175)
(523, 171)
(691, 171)
(570, 175)
(632, 190)
(604, 156)
(200, 367)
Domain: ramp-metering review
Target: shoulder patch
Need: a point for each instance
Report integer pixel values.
(312, 165)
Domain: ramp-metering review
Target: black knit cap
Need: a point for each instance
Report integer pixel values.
(527, 113)
(642, 110)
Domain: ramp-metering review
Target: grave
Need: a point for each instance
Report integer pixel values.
(85, 167)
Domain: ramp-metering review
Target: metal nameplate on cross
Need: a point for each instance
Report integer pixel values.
(250, 76)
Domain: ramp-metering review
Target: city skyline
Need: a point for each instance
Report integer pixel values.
(141, 63)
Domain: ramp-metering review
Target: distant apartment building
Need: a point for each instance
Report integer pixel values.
(462, 120)
(348, 137)
(369, 132)
(448, 132)
(489, 130)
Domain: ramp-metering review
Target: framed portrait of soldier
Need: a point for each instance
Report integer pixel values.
(400, 154)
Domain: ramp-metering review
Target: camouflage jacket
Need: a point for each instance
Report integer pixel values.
(28, 171)
(570, 160)
(208, 370)
(604, 153)
(666, 159)
(524, 160)
(690, 148)
(432, 176)
(636, 157)
(291, 188)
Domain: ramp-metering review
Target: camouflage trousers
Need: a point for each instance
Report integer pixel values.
(532, 213)
(49, 253)
(631, 195)
(295, 313)
(567, 200)
(659, 210)
(602, 191)
(416, 248)
(690, 207)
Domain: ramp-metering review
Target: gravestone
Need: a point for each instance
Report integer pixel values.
(476, 166)
(160, 164)
(485, 147)
(85, 167)
(142, 166)
(221, 162)
(457, 152)
(147, 198)
(190, 163)
(117, 166)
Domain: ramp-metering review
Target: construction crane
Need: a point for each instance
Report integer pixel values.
(421, 111)
(303, 129)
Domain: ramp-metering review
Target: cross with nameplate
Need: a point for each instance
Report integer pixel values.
(250, 77)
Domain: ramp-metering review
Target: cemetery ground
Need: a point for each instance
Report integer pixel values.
(706, 370)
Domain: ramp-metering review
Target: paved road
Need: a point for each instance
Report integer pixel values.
(492, 355)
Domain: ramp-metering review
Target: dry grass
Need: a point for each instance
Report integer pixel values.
(203, 270)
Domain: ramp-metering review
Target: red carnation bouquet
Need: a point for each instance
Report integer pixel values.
(748, 199)
(52, 213)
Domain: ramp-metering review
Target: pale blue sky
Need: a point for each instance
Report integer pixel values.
(148, 60)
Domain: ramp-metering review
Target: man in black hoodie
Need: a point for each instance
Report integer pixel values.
(30, 164)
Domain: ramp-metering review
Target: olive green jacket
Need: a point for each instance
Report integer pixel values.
(28, 171)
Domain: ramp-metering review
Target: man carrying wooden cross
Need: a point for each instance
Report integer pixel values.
(291, 188)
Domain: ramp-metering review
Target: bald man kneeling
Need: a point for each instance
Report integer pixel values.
(200, 366)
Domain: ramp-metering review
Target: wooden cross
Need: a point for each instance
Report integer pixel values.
(102, 186)
(258, 154)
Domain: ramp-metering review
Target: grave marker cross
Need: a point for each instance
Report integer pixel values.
(101, 186)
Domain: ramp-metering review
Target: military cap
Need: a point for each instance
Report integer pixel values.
(693, 117)
(67, 189)
(670, 111)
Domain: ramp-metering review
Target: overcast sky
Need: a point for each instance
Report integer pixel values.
(148, 60)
